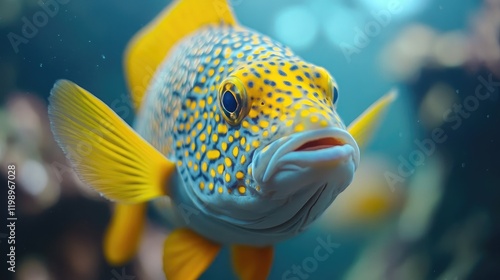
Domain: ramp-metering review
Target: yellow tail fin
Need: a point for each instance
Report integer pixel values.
(363, 127)
(151, 45)
(104, 151)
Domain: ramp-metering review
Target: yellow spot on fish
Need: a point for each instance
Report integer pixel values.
(217, 51)
(257, 188)
(323, 123)
(228, 162)
(242, 189)
(265, 149)
(299, 128)
(202, 185)
(203, 137)
(215, 137)
(243, 159)
(221, 189)
(209, 128)
(255, 129)
(265, 133)
(203, 148)
(197, 89)
(222, 129)
(220, 169)
(179, 163)
(198, 156)
(240, 175)
(264, 124)
(212, 173)
(237, 134)
(255, 143)
(247, 148)
(211, 72)
(224, 146)
(210, 100)
(230, 139)
(236, 150)
(211, 186)
(190, 164)
(213, 154)
(195, 167)
(193, 147)
(228, 178)
(188, 140)
(243, 140)
(204, 167)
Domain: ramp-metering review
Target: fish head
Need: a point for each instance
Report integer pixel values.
(286, 109)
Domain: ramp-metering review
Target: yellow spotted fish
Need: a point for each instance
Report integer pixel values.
(240, 134)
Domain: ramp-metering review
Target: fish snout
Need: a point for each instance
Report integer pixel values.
(329, 155)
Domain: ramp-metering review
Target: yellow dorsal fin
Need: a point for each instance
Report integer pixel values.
(124, 233)
(104, 151)
(186, 254)
(363, 127)
(151, 45)
(252, 263)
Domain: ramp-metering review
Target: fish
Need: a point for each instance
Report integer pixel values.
(236, 142)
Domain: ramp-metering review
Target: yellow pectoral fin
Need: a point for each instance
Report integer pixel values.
(150, 46)
(104, 151)
(124, 232)
(186, 255)
(363, 127)
(252, 263)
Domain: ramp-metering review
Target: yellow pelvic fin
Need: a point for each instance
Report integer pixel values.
(363, 127)
(252, 263)
(186, 255)
(150, 46)
(124, 232)
(104, 151)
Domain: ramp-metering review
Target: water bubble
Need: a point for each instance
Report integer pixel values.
(103, 56)
(463, 164)
(488, 116)
(41, 65)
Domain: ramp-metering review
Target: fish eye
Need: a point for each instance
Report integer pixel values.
(335, 94)
(232, 99)
(334, 91)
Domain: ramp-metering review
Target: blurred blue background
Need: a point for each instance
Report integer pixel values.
(419, 208)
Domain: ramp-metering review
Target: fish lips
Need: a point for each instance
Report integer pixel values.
(305, 157)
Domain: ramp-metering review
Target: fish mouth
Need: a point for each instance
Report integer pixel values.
(324, 148)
